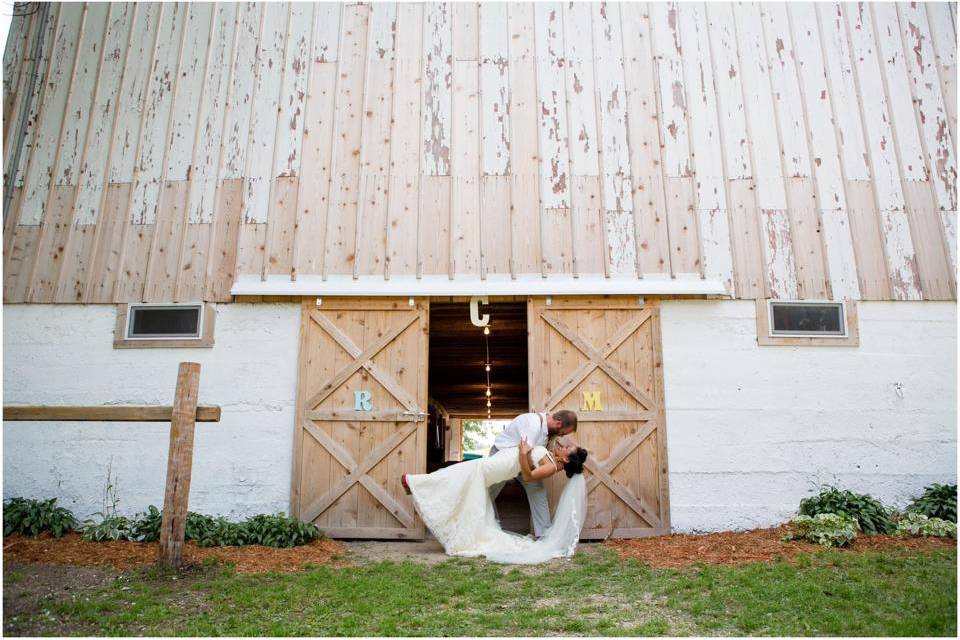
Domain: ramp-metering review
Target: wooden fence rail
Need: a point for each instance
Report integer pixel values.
(102, 413)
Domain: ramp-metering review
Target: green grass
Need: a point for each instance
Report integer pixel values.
(828, 593)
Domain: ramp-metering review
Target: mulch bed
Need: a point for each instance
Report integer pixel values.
(72, 549)
(736, 547)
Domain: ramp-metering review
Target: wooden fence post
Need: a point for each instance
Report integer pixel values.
(179, 464)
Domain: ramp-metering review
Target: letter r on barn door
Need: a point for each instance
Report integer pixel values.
(361, 398)
(582, 350)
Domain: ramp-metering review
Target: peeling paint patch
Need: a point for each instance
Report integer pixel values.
(437, 89)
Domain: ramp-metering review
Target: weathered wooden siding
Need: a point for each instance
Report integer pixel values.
(786, 149)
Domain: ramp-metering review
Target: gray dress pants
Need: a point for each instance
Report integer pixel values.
(536, 496)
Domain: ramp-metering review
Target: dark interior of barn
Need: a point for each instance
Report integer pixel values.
(459, 355)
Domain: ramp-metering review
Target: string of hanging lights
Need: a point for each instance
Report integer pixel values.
(486, 367)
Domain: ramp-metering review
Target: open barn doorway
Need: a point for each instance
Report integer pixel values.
(461, 424)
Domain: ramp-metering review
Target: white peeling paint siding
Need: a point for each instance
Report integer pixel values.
(752, 430)
(94, 165)
(53, 103)
(494, 88)
(65, 355)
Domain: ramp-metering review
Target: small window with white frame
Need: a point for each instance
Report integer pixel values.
(164, 325)
(807, 322)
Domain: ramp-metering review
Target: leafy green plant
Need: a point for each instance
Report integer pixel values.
(108, 528)
(32, 517)
(911, 523)
(827, 529)
(937, 501)
(222, 533)
(146, 526)
(198, 526)
(870, 514)
(279, 531)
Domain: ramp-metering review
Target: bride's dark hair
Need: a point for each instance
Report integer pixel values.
(575, 462)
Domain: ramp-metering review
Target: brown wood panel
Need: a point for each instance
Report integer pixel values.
(867, 241)
(346, 472)
(936, 278)
(611, 347)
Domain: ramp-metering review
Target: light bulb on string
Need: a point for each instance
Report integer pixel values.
(487, 368)
(486, 331)
(489, 404)
(488, 392)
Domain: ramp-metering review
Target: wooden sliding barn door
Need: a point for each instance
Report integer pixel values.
(361, 416)
(601, 357)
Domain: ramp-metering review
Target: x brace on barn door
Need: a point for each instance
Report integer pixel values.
(357, 473)
(597, 360)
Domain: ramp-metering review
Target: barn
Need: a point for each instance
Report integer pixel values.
(723, 233)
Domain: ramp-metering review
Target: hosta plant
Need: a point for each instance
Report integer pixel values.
(33, 517)
(279, 531)
(917, 524)
(107, 528)
(146, 526)
(827, 529)
(937, 501)
(872, 517)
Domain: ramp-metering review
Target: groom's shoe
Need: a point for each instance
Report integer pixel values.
(403, 481)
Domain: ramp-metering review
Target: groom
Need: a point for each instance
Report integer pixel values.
(537, 428)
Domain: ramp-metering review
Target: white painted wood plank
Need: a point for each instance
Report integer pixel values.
(843, 91)
(494, 88)
(44, 152)
(293, 93)
(673, 108)
(263, 119)
(895, 230)
(551, 95)
(241, 91)
(437, 90)
(133, 94)
(875, 110)
(156, 117)
(945, 47)
(80, 101)
(203, 177)
(786, 91)
(326, 35)
(706, 145)
(726, 76)
(20, 86)
(46, 48)
(890, 44)
(760, 111)
(15, 51)
(841, 260)
(93, 168)
(190, 83)
(581, 88)
(934, 124)
(608, 46)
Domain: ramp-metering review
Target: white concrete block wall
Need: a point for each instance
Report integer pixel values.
(64, 355)
(752, 430)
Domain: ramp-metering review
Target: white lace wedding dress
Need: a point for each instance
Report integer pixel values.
(455, 505)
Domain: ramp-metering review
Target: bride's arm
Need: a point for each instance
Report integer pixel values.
(544, 470)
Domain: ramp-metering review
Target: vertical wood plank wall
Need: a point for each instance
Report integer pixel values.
(791, 150)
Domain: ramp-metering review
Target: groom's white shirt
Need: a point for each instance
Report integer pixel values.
(532, 426)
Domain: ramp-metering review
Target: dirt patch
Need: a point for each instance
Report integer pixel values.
(737, 547)
(28, 590)
(73, 550)
(428, 551)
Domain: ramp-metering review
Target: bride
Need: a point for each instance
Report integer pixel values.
(455, 504)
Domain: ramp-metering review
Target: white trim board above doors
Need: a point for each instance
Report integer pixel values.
(492, 285)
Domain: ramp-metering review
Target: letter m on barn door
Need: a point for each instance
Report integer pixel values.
(601, 357)
(361, 407)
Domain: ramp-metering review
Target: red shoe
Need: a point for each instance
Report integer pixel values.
(403, 481)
